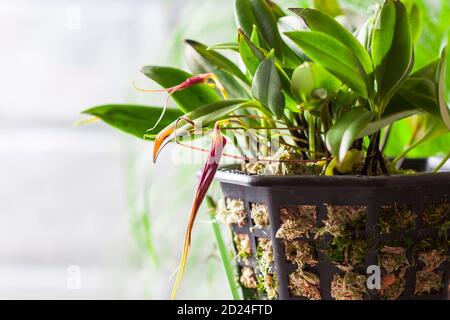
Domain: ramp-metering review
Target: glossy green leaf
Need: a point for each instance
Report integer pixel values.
(258, 12)
(331, 7)
(420, 91)
(267, 87)
(250, 54)
(218, 60)
(187, 99)
(392, 50)
(346, 129)
(134, 119)
(225, 46)
(244, 16)
(235, 88)
(276, 9)
(321, 22)
(440, 88)
(415, 16)
(333, 56)
(377, 125)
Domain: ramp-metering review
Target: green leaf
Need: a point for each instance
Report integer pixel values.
(258, 12)
(333, 56)
(415, 16)
(267, 87)
(392, 50)
(346, 129)
(440, 87)
(377, 125)
(225, 46)
(321, 22)
(244, 16)
(309, 77)
(187, 99)
(250, 54)
(331, 7)
(234, 87)
(134, 119)
(420, 91)
(218, 60)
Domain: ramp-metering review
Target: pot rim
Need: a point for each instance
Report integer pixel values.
(228, 174)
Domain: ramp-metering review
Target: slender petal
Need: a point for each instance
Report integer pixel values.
(206, 177)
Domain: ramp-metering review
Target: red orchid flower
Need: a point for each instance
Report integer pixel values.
(206, 178)
(189, 82)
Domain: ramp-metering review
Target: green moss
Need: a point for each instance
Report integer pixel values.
(397, 218)
(346, 252)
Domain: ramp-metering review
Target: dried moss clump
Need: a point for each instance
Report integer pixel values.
(267, 279)
(248, 278)
(429, 279)
(350, 286)
(397, 218)
(232, 211)
(304, 284)
(300, 252)
(394, 262)
(342, 219)
(297, 222)
(282, 166)
(436, 214)
(260, 215)
(243, 247)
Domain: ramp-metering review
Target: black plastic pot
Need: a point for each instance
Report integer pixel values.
(415, 191)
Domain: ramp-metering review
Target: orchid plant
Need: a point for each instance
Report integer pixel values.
(333, 93)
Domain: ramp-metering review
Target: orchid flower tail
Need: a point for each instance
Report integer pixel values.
(160, 139)
(206, 178)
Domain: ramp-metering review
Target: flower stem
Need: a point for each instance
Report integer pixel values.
(223, 252)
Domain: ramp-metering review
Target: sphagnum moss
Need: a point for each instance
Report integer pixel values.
(304, 284)
(232, 211)
(394, 262)
(297, 222)
(260, 215)
(350, 286)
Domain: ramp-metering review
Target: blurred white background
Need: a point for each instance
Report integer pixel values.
(81, 196)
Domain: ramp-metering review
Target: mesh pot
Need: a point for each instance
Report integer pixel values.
(314, 237)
